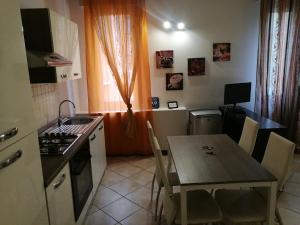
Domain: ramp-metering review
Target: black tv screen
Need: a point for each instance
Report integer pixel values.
(237, 93)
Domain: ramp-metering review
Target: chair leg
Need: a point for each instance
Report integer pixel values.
(160, 213)
(156, 202)
(152, 186)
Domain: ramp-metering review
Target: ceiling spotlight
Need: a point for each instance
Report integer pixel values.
(167, 25)
(180, 26)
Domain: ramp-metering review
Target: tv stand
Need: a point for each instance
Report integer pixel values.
(235, 109)
(233, 123)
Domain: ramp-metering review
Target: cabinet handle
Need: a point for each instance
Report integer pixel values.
(11, 159)
(93, 138)
(76, 74)
(100, 128)
(8, 134)
(60, 181)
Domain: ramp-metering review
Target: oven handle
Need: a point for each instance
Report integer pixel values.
(80, 168)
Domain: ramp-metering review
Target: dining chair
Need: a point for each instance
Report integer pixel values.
(201, 206)
(243, 206)
(249, 134)
(156, 177)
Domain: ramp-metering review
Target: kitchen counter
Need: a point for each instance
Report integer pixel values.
(52, 165)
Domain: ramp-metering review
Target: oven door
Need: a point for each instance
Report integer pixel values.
(81, 178)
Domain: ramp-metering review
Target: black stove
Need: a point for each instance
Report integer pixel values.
(56, 143)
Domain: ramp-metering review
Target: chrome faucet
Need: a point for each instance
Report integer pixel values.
(59, 120)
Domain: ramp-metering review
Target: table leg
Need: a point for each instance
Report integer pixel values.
(272, 192)
(183, 203)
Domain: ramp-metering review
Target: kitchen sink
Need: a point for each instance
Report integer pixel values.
(78, 120)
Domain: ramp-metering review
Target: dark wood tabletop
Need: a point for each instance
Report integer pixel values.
(225, 163)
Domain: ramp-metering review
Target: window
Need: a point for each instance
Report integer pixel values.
(111, 92)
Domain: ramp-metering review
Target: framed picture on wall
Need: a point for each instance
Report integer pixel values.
(172, 104)
(164, 59)
(155, 102)
(196, 66)
(221, 52)
(174, 81)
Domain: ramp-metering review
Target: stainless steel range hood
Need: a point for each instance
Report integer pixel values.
(38, 59)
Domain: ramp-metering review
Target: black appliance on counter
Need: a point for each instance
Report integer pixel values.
(81, 178)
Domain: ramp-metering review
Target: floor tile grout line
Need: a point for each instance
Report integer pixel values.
(109, 203)
(110, 216)
(140, 205)
(131, 214)
(139, 208)
(127, 193)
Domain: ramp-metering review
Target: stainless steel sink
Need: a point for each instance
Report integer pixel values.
(78, 120)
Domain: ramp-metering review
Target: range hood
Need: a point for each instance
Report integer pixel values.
(51, 42)
(37, 59)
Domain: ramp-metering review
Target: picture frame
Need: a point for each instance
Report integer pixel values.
(221, 52)
(196, 66)
(155, 102)
(174, 81)
(172, 104)
(164, 59)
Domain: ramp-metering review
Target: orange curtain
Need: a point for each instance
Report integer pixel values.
(116, 47)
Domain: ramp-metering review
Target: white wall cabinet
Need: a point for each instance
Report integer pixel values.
(22, 193)
(49, 32)
(59, 199)
(15, 94)
(98, 152)
(66, 43)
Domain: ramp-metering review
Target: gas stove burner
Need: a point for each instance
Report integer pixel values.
(56, 144)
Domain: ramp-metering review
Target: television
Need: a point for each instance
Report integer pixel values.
(237, 93)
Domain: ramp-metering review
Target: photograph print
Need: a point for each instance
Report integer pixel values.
(164, 59)
(174, 81)
(221, 52)
(196, 66)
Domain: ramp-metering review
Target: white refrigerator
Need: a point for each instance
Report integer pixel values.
(22, 194)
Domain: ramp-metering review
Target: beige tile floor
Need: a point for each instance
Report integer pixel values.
(123, 197)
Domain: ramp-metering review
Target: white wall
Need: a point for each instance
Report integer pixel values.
(207, 21)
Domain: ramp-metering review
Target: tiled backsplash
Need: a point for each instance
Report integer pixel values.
(45, 102)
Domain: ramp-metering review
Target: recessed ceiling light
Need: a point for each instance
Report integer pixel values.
(180, 26)
(167, 25)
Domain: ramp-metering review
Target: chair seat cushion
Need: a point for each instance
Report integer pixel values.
(241, 206)
(201, 208)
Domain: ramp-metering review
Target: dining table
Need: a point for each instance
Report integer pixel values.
(217, 162)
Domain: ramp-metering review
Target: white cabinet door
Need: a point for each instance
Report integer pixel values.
(59, 199)
(66, 43)
(74, 51)
(22, 193)
(95, 160)
(97, 149)
(59, 26)
(15, 93)
(102, 148)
